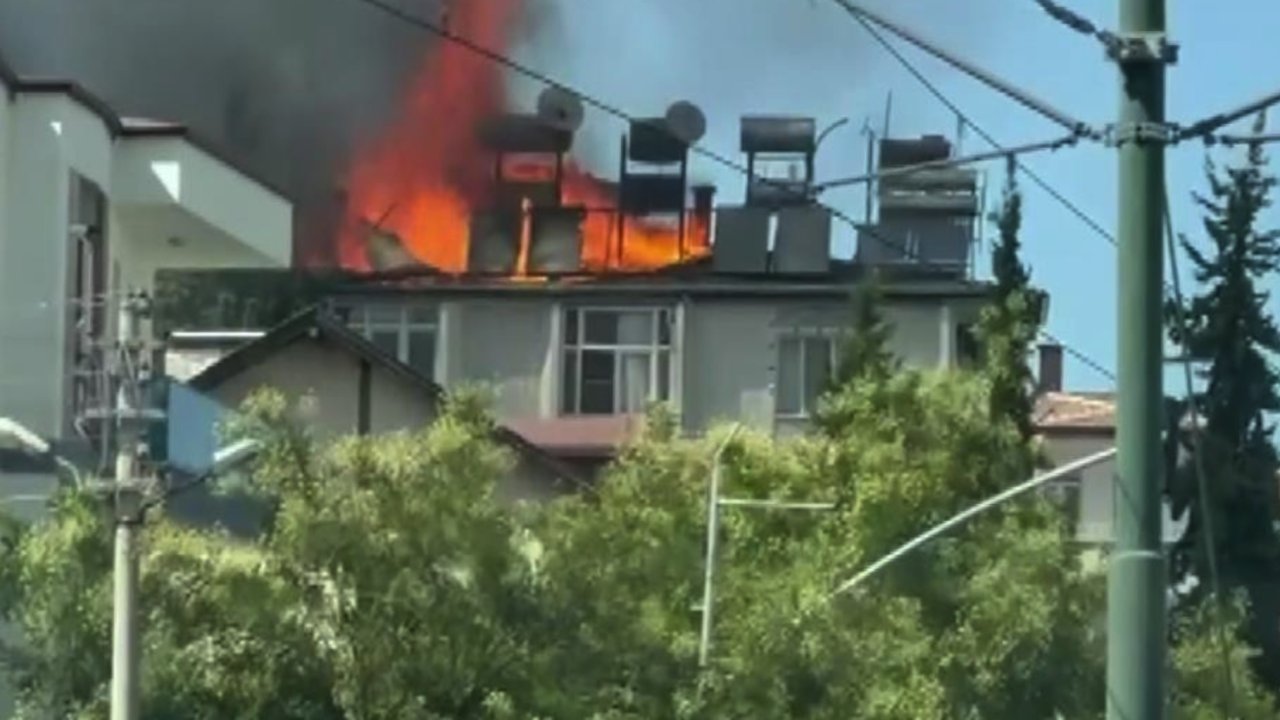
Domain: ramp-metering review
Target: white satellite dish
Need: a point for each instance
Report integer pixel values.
(686, 122)
(560, 109)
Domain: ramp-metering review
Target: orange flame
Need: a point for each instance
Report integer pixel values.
(424, 175)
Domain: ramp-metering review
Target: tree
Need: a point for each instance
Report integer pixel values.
(865, 352)
(931, 638)
(390, 583)
(1227, 325)
(1009, 324)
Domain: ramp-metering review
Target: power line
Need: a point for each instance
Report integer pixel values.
(497, 57)
(1035, 178)
(1079, 23)
(1206, 126)
(1085, 359)
(1233, 140)
(942, 97)
(948, 163)
(1022, 97)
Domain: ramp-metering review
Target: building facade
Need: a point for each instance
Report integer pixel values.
(92, 204)
(1075, 425)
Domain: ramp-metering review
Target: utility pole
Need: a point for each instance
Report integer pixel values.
(714, 503)
(128, 490)
(1136, 584)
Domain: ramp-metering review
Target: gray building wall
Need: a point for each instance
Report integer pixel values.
(325, 373)
(331, 376)
(503, 344)
(725, 353)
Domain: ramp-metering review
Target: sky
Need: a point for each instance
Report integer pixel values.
(299, 75)
(807, 57)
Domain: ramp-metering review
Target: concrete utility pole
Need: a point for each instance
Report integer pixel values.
(1136, 581)
(128, 490)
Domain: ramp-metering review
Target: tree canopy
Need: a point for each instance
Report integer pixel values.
(1229, 328)
(390, 582)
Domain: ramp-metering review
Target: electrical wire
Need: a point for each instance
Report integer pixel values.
(1079, 23)
(448, 35)
(1064, 15)
(1040, 182)
(942, 97)
(1202, 482)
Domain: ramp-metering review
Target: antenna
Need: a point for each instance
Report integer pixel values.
(560, 109)
(686, 122)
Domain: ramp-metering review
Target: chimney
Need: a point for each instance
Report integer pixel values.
(1050, 368)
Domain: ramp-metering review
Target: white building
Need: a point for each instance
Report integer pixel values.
(1075, 425)
(92, 204)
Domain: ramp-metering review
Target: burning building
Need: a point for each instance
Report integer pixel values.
(475, 249)
(745, 324)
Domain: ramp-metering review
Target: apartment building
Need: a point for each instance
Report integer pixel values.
(1075, 425)
(746, 330)
(92, 204)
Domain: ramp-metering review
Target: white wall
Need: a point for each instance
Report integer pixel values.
(169, 171)
(731, 351)
(156, 189)
(1097, 486)
(49, 137)
(397, 404)
(147, 239)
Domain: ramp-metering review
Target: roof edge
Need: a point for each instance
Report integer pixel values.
(315, 318)
(119, 126)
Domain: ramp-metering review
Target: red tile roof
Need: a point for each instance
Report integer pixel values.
(1075, 412)
(587, 436)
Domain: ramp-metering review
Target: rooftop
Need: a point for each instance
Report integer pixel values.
(1066, 412)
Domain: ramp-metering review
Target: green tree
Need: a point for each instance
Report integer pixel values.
(931, 638)
(387, 585)
(865, 351)
(1009, 324)
(1200, 687)
(391, 584)
(1227, 325)
(864, 354)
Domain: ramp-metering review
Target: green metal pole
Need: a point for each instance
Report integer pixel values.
(1137, 574)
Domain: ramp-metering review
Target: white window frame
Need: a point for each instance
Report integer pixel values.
(803, 337)
(361, 318)
(1059, 490)
(654, 349)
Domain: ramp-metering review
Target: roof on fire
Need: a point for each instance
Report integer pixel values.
(692, 277)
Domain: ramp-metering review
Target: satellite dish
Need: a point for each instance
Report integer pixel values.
(686, 122)
(560, 109)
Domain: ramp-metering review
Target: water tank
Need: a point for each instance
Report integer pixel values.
(778, 134)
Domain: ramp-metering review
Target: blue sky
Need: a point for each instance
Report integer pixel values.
(806, 56)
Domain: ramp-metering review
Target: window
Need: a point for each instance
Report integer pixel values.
(405, 332)
(806, 364)
(1065, 493)
(615, 361)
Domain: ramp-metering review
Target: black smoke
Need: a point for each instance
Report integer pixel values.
(285, 88)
